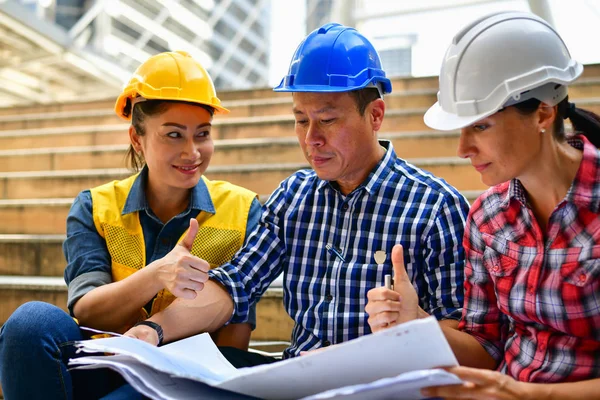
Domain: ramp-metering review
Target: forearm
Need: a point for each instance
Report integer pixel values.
(468, 351)
(209, 311)
(116, 306)
(583, 390)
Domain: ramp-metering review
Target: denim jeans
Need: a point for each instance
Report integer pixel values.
(36, 343)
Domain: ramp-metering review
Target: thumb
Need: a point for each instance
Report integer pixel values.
(398, 263)
(188, 240)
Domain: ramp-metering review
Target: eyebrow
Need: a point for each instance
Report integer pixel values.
(319, 111)
(176, 125)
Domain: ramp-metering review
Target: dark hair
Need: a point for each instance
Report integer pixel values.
(583, 121)
(364, 97)
(141, 111)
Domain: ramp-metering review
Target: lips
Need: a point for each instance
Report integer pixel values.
(481, 167)
(187, 169)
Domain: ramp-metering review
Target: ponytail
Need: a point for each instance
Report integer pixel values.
(583, 121)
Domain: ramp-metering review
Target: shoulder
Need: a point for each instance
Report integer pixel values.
(224, 188)
(489, 203)
(427, 187)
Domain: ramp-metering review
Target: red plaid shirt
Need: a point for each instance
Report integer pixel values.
(534, 304)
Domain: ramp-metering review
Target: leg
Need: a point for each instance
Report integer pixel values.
(35, 346)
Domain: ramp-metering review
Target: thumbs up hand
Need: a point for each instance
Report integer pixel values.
(180, 272)
(387, 307)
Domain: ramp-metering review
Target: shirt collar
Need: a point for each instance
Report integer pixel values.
(377, 175)
(136, 199)
(584, 189)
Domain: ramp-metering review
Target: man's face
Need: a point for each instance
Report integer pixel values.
(339, 143)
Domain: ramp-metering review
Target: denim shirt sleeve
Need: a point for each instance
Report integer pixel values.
(253, 217)
(88, 260)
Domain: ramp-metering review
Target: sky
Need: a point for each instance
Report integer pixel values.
(577, 21)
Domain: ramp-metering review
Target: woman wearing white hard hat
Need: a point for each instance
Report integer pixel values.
(532, 290)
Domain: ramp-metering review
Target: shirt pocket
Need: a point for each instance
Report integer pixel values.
(581, 273)
(498, 264)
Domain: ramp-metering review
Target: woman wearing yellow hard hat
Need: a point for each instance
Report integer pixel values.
(136, 245)
(532, 241)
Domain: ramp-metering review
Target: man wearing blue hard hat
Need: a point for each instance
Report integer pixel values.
(331, 230)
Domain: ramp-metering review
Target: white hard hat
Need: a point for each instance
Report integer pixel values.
(500, 60)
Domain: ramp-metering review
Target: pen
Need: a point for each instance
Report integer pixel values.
(333, 251)
(389, 282)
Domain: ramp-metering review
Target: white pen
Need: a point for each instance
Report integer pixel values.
(389, 282)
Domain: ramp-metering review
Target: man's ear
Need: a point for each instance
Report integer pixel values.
(135, 139)
(376, 113)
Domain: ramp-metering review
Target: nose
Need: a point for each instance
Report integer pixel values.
(465, 149)
(314, 136)
(190, 150)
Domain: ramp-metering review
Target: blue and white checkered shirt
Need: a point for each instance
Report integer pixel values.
(325, 291)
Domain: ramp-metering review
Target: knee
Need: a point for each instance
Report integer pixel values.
(35, 319)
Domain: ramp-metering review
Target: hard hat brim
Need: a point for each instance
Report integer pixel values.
(437, 118)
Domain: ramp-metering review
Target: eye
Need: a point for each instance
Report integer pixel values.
(480, 127)
(203, 134)
(328, 121)
(174, 135)
(301, 122)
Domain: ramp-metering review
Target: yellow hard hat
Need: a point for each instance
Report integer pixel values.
(170, 76)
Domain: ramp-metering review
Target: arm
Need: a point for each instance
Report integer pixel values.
(483, 384)
(108, 305)
(233, 287)
(238, 335)
(442, 287)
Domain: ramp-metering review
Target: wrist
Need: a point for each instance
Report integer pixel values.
(156, 327)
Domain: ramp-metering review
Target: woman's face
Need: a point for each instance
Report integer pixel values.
(502, 146)
(177, 146)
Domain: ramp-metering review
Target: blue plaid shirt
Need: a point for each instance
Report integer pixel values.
(325, 290)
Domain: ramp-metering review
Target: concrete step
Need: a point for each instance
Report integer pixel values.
(279, 105)
(227, 152)
(260, 178)
(396, 120)
(32, 255)
(272, 322)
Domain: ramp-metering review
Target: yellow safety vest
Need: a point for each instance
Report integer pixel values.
(219, 236)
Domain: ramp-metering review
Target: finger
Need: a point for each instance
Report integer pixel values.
(188, 294)
(188, 240)
(377, 307)
(466, 390)
(383, 319)
(196, 263)
(475, 375)
(398, 263)
(382, 294)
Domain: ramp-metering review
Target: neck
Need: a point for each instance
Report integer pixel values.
(166, 202)
(376, 154)
(548, 180)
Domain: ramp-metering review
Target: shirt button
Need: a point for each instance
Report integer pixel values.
(582, 277)
(329, 297)
(345, 207)
(326, 343)
(531, 290)
(495, 268)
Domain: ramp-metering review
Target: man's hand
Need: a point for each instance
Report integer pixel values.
(143, 332)
(480, 384)
(391, 307)
(180, 272)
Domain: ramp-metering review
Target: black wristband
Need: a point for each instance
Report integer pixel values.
(154, 326)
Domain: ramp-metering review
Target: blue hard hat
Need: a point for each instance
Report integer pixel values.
(334, 58)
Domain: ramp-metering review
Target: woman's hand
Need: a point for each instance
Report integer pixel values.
(391, 307)
(480, 384)
(180, 272)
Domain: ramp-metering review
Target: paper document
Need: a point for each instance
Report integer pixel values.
(413, 346)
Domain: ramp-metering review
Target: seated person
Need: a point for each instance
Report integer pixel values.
(129, 250)
(532, 310)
